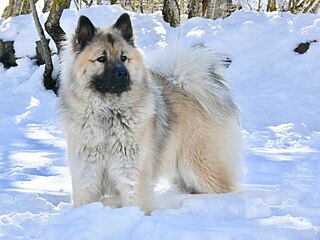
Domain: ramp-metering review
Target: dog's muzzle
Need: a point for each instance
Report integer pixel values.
(115, 81)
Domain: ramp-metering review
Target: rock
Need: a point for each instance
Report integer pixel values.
(7, 52)
(1, 48)
(303, 47)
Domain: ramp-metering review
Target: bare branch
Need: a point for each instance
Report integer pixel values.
(48, 82)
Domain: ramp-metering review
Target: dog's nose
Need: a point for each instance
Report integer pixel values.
(116, 80)
(121, 80)
(121, 73)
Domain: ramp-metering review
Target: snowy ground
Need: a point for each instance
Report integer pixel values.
(278, 92)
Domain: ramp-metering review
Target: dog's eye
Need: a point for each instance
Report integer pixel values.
(102, 59)
(123, 58)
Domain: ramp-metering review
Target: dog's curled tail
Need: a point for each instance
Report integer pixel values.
(197, 70)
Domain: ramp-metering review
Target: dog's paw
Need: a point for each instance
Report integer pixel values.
(111, 201)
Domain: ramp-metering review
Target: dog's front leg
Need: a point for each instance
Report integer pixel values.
(86, 186)
(82, 196)
(135, 188)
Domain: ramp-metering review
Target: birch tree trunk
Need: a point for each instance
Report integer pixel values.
(259, 6)
(17, 7)
(52, 24)
(209, 9)
(8, 11)
(271, 6)
(171, 12)
(221, 8)
(312, 6)
(47, 75)
(195, 8)
(214, 9)
(47, 6)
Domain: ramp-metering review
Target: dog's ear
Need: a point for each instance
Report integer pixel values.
(85, 32)
(123, 25)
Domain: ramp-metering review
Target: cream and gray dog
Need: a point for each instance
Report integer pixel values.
(127, 125)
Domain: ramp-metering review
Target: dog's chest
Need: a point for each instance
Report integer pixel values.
(111, 135)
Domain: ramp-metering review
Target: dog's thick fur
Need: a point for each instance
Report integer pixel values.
(176, 119)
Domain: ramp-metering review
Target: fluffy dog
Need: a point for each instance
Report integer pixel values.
(126, 125)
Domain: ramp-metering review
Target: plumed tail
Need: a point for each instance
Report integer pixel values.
(197, 70)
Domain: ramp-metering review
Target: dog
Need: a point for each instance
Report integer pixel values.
(126, 125)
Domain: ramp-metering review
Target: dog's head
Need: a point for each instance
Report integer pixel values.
(105, 61)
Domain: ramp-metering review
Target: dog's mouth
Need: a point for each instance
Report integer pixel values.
(116, 89)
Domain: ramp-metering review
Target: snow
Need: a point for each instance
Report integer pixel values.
(277, 90)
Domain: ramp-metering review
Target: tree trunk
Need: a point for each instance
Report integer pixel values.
(52, 24)
(47, 75)
(259, 6)
(218, 9)
(268, 5)
(191, 9)
(88, 2)
(312, 6)
(171, 12)
(8, 11)
(25, 9)
(47, 6)
(210, 7)
(17, 7)
(141, 6)
(273, 6)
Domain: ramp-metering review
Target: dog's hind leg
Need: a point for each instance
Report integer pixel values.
(210, 160)
(199, 176)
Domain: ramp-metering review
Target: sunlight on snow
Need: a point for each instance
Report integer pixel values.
(287, 221)
(45, 134)
(34, 102)
(286, 144)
